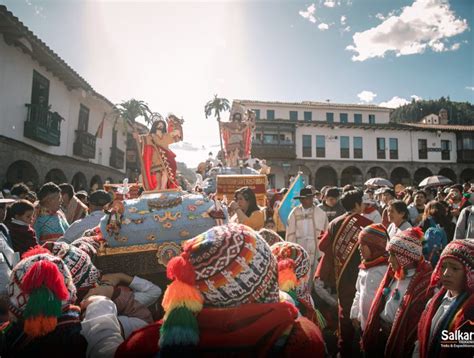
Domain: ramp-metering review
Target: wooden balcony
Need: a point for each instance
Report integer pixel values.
(42, 125)
(117, 158)
(273, 150)
(84, 146)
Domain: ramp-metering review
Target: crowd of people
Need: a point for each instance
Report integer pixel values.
(350, 272)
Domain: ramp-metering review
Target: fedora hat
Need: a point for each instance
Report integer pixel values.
(305, 193)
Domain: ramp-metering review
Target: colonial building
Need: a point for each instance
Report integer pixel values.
(54, 126)
(338, 144)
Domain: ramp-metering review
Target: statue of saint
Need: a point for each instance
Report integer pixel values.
(237, 135)
(158, 161)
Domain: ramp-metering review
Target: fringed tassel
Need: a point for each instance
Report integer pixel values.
(181, 301)
(44, 284)
(320, 320)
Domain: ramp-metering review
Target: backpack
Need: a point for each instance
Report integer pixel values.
(434, 242)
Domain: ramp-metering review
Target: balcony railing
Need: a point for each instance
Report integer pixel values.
(275, 150)
(42, 125)
(116, 158)
(84, 146)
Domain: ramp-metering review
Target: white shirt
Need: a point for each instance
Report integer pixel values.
(393, 230)
(77, 228)
(367, 283)
(101, 329)
(392, 305)
(374, 216)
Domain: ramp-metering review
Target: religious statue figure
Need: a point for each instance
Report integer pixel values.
(237, 135)
(158, 161)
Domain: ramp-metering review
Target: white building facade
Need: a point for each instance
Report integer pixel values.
(338, 144)
(50, 117)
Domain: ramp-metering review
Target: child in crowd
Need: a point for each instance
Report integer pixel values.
(50, 224)
(373, 240)
(452, 308)
(400, 299)
(21, 232)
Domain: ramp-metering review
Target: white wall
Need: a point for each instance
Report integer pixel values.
(16, 77)
(407, 143)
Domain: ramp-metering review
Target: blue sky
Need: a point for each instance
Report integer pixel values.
(177, 55)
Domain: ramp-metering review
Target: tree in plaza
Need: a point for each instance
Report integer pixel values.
(217, 105)
(132, 109)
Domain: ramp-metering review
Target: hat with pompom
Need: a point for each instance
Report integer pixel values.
(462, 251)
(40, 287)
(270, 236)
(407, 246)
(226, 266)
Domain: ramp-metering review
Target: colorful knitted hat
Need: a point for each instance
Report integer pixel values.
(84, 274)
(462, 251)
(88, 244)
(40, 287)
(293, 269)
(226, 266)
(270, 236)
(375, 236)
(407, 246)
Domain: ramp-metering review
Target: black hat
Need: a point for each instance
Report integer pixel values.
(100, 198)
(305, 193)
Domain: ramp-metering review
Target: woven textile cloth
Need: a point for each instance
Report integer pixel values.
(83, 271)
(296, 252)
(19, 299)
(270, 236)
(233, 265)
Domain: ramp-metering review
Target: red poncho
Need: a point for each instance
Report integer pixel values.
(246, 330)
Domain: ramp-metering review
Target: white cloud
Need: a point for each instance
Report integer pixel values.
(455, 46)
(399, 101)
(367, 96)
(343, 19)
(394, 102)
(380, 16)
(425, 24)
(329, 3)
(309, 13)
(471, 88)
(323, 27)
(346, 29)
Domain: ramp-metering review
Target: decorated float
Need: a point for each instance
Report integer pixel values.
(141, 235)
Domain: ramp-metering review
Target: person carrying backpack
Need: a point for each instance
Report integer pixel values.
(435, 240)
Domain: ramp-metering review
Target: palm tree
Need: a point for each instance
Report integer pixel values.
(131, 109)
(217, 105)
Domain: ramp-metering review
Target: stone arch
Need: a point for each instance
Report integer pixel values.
(448, 173)
(96, 179)
(400, 175)
(22, 171)
(377, 172)
(55, 175)
(467, 174)
(325, 176)
(420, 174)
(79, 181)
(353, 176)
